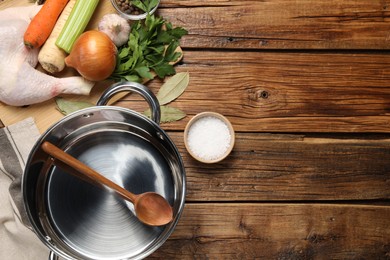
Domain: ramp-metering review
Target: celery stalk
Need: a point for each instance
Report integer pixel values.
(76, 23)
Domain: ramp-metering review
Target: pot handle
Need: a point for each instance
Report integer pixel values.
(133, 87)
(53, 256)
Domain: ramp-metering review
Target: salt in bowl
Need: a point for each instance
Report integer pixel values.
(209, 137)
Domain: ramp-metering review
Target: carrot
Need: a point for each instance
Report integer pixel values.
(43, 23)
(52, 58)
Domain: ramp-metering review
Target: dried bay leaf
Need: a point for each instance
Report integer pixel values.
(168, 114)
(173, 88)
(66, 107)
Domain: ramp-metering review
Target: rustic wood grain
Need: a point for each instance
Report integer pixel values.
(282, 24)
(305, 84)
(287, 91)
(269, 92)
(275, 167)
(279, 231)
(272, 91)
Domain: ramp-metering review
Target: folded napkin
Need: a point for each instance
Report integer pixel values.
(17, 241)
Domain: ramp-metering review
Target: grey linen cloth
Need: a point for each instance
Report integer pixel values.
(17, 241)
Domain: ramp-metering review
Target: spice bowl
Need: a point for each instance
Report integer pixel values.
(209, 137)
(126, 10)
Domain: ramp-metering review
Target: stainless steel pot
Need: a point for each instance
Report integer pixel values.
(77, 220)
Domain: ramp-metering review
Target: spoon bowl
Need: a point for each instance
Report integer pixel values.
(150, 207)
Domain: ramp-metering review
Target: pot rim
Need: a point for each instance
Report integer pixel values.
(86, 112)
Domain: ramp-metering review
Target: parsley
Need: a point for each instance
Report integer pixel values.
(145, 5)
(151, 48)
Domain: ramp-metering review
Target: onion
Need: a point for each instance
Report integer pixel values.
(93, 56)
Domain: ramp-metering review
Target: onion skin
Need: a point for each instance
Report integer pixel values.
(93, 56)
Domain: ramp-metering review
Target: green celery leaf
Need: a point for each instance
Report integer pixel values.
(143, 35)
(164, 69)
(149, 20)
(127, 65)
(144, 72)
(132, 78)
(123, 53)
(155, 59)
(152, 4)
(149, 46)
(139, 4)
(178, 32)
(170, 52)
(164, 37)
(157, 49)
(168, 26)
(137, 57)
(133, 41)
(176, 56)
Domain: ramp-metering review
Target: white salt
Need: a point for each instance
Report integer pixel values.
(209, 138)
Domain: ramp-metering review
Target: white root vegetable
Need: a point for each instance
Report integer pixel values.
(51, 57)
(116, 27)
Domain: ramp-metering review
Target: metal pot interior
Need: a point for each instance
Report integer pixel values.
(79, 220)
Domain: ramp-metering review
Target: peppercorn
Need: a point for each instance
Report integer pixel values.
(127, 7)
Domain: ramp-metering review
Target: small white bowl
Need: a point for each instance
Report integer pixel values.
(132, 16)
(209, 138)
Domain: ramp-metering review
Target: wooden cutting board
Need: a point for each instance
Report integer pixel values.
(45, 114)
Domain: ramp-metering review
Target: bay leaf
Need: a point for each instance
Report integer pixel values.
(168, 114)
(173, 88)
(66, 106)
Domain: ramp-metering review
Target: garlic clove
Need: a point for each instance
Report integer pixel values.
(116, 27)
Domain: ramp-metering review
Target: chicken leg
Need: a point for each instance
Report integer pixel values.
(20, 83)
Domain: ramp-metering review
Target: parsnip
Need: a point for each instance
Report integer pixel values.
(52, 58)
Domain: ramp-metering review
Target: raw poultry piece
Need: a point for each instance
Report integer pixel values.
(20, 83)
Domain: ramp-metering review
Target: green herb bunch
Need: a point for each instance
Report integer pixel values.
(145, 5)
(151, 48)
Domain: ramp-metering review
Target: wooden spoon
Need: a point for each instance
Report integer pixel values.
(150, 207)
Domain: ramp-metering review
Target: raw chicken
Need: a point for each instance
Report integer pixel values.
(20, 83)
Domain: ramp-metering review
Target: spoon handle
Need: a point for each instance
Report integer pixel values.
(80, 167)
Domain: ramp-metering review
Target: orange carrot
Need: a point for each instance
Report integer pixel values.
(43, 23)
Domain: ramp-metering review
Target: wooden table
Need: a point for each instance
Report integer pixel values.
(306, 85)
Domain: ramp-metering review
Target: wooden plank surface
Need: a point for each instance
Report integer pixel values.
(340, 92)
(282, 24)
(277, 167)
(279, 231)
(287, 91)
(269, 92)
(306, 85)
